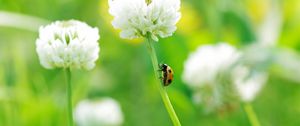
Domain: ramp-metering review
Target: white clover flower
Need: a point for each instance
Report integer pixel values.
(218, 74)
(204, 72)
(203, 66)
(248, 83)
(139, 18)
(104, 112)
(68, 44)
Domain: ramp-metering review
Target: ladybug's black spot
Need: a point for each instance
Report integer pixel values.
(164, 67)
(169, 81)
(165, 74)
(169, 71)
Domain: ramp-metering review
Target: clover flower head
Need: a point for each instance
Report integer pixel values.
(248, 83)
(103, 112)
(141, 18)
(205, 64)
(204, 72)
(68, 44)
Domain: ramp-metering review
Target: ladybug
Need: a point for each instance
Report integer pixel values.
(167, 74)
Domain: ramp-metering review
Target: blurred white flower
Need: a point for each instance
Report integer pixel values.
(289, 65)
(248, 83)
(139, 18)
(205, 72)
(203, 66)
(103, 112)
(218, 74)
(270, 29)
(64, 44)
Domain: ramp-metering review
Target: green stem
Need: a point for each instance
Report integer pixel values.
(162, 89)
(251, 114)
(69, 96)
(9, 114)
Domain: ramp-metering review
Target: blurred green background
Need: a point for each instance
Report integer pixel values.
(33, 96)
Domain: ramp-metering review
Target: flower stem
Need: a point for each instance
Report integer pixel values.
(251, 114)
(69, 96)
(162, 89)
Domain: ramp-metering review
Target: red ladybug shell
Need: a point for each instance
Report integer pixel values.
(167, 74)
